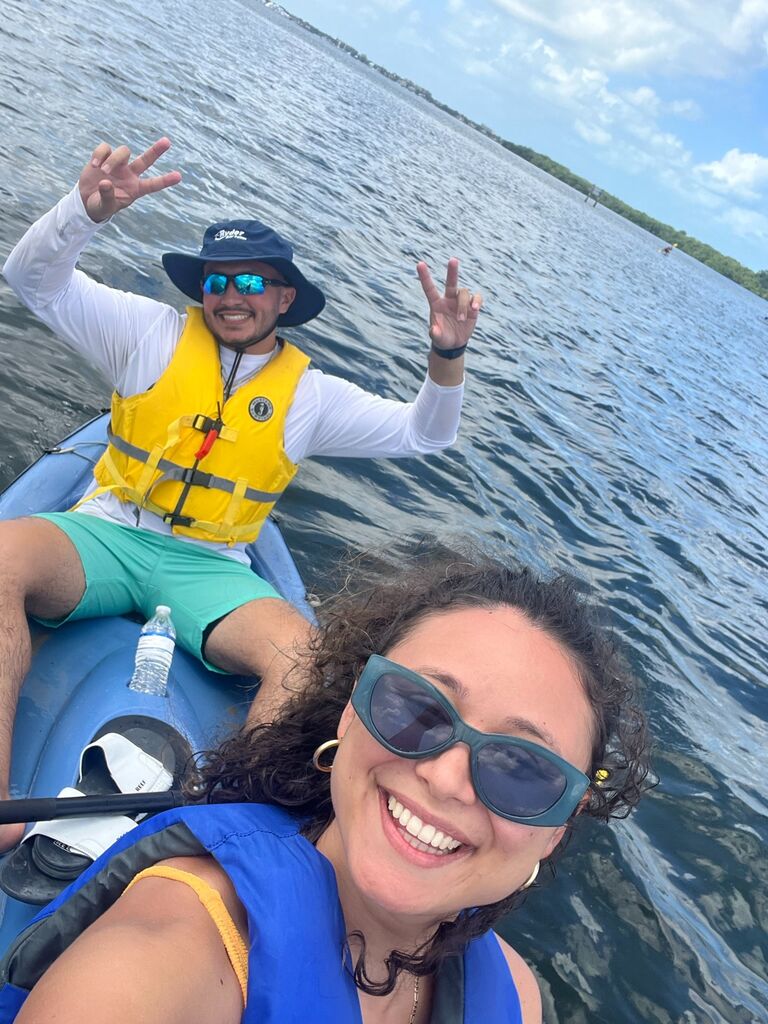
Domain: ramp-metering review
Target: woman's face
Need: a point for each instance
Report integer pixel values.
(503, 675)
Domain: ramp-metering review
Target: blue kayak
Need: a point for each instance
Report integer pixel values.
(76, 689)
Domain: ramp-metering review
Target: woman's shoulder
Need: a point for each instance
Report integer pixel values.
(525, 982)
(161, 932)
(206, 877)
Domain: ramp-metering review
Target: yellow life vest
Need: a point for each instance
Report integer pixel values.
(212, 469)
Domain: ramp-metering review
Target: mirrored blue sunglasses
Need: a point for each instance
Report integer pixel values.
(245, 284)
(515, 778)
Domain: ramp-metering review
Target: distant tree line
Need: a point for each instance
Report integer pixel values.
(726, 265)
(755, 281)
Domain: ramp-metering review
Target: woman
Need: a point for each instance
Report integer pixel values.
(488, 712)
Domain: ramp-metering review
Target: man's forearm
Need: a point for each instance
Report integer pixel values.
(41, 265)
(101, 323)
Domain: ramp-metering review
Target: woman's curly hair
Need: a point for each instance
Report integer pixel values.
(376, 609)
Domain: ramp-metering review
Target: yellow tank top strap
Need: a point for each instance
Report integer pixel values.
(236, 948)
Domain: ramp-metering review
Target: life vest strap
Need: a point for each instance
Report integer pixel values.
(151, 462)
(227, 534)
(172, 471)
(238, 496)
(118, 483)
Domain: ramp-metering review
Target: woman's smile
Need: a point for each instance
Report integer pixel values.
(418, 839)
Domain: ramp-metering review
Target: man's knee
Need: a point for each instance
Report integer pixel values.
(18, 553)
(40, 566)
(252, 636)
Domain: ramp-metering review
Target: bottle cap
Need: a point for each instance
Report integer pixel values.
(162, 609)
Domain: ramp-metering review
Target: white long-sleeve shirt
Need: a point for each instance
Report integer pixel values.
(131, 339)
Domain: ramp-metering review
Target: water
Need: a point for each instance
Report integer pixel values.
(615, 424)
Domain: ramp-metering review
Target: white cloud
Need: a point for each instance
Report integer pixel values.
(482, 47)
(411, 34)
(740, 173)
(745, 223)
(648, 100)
(569, 84)
(480, 68)
(685, 108)
(628, 119)
(644, 97)
(592, 133)
(708, 38)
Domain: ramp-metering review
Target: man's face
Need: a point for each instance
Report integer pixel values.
(240, 321)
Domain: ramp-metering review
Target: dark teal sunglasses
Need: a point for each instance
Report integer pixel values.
(245, 284)
(514, 778)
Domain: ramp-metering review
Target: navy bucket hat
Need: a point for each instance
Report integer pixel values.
(232, 241)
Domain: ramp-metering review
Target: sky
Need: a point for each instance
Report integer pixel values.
(663, 103)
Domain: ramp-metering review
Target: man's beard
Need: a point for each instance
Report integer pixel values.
(240, 346)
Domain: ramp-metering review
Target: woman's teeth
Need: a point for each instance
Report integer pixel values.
(421, 836)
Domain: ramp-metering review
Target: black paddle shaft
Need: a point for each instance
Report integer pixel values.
(46, 808)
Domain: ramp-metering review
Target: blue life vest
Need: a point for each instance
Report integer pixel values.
(295, 922)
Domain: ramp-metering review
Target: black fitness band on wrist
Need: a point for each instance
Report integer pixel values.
(448, 353)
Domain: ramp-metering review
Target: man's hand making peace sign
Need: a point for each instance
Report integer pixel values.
(110, 180)
(452, 319)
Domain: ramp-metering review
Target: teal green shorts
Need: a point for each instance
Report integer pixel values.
(130, 570)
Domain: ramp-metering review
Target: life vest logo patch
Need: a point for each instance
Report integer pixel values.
(261, 409)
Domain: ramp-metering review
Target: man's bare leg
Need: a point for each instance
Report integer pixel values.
(267, 638)
(40, 573)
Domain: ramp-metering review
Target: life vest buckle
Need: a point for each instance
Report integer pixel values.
(205, 423)
(196, 477)
(172, 519)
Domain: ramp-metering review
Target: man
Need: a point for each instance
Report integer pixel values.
(211, 414)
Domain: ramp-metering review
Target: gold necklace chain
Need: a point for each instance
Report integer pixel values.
(415, 1000)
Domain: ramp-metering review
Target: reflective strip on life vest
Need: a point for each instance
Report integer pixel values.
(172, 471)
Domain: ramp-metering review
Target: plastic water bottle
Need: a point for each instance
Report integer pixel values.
(154, 653)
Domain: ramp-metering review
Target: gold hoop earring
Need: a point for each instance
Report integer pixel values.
(532, 877)
(328, 745)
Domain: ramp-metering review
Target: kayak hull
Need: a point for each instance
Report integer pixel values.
(78, 680)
